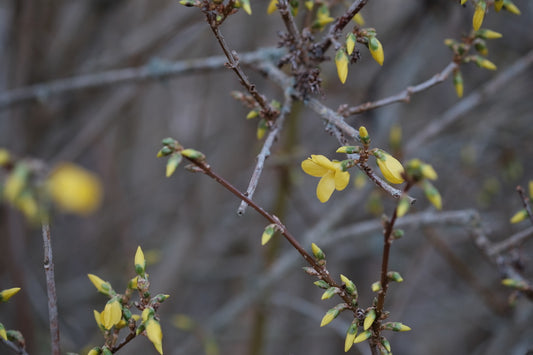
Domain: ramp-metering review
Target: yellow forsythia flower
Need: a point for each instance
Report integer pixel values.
(519, 216)
(376, 49)
(101, 285)
(272, 6)
(391, 168)
(341, 61)
(112, 313)
(5, 295)
(332, 177)
(154, 334)
(74, 189)
(479, 14)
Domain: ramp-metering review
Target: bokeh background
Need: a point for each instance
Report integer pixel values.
(244, 298)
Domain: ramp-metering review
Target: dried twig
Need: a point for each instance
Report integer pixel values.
(156, 69)
(14, 347)
(469, 102)
(403, 96)
(51, 288)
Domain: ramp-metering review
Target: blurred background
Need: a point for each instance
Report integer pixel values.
(243, 298)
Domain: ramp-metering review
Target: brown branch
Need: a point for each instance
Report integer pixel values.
(323, 273)
(51, 288)
(151, 71)
(403, 96)
(233, 63)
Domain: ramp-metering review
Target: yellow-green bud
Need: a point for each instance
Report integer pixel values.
(193, 154)
(369, 319)
(403, 206)
(349, 285)
(173, 161)
(488, 34)
(362, 336)
(350, 43)
(498, 4)
(317, 252)
(341, 62)
(268, 233)
(5, 295)
(349, 149)
(394, 276)
(519, 216)
(350, 335)
(479, 14)
(395, 326)
(376, 286)
(511, 7)
(329, 293)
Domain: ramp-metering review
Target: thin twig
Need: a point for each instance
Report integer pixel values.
(468, 103)
(265, 151)
(156, 69)
(403, 96)
(341, 22)
(512, 242)
(233, 63)
(322, 272)
(525, 201)
(51, 288)
(288, 20)
(17, 349)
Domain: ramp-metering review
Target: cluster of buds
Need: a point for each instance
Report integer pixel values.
(264, 123)
(117, 312)
(419, 173)
(175, 153)
(364, 323)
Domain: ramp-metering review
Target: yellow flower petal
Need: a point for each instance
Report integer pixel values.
(313, 169)
(74, 189)
(325, 187)
(342, 178)
(101, 285)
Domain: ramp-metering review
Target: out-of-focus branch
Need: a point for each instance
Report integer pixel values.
(14, 347)
(265, 151)
(525, 201)
(288, 19)
(156, 69)
(403, 96)
(51, 288)
(469, 102)
(512, 242)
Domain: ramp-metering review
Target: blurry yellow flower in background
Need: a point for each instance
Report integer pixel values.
(74, 189)
(332, 177)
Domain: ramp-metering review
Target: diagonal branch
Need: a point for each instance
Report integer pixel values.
(156, 69)
(51, 287)
(403, 96)
(265, 151)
